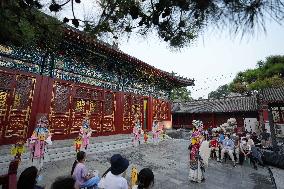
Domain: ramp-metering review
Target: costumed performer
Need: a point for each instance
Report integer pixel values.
(204, 150)
(37, 142)
(18, 149)
(146, 136)
(86, 132)
(78, 143)
(196, 170)
(139, 132)
(155, 132)
(135, 134)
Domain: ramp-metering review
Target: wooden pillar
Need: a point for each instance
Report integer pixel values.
(150, 113)
(41, 100)
(118, 117)
(272, 129)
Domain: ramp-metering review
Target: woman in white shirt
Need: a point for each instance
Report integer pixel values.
(112, 178)
(245, 149)
(145, 179)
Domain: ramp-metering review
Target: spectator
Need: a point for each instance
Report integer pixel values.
(246, 152)
(145, 179)
(80, 173)
(236, 140)
(29, 178)
(228, 147)
(221, 137)
(64, 183)
(255, 138)
(112, 178)
(214, 145)
(250, 141)
(265, 136)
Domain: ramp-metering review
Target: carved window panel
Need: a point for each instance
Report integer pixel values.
(127, 120)
(96, 107)
(59, 125)
(61, 98)
(76, 126)
(160, 110)
(80, 105)
(97, 94)
(127, 106)
(82, 93)
(95, 124)
(6, 81)
(17, 127)
(107, 124)
(127, 124)
(137, 108)
(23, 93)
(109, 104)
(3, 101)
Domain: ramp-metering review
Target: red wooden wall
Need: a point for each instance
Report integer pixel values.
(184, 120)
(23, 96)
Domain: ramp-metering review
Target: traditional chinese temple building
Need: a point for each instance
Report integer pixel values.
(251, 112)
(214, 112)
(84, 77)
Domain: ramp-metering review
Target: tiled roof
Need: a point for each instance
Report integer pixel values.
(271, 95)
(82, 37)
(234, 104)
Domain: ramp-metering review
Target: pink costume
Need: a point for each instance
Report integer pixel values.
(40, 137)
(136, 134)
(155, 132)
(85, 133)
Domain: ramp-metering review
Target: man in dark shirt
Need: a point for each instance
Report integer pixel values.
(265, 136)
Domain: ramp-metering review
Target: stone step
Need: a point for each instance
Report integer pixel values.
(51, 149)
(57, 154)
(5, 149)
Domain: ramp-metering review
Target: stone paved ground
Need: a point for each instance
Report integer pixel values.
(169, 163)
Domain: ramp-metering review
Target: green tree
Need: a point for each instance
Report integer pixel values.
(269, 73)
(181, 94)
(222, 91)
(177, 22)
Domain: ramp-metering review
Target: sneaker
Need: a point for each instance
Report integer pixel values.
(221, 161)
(234, 165)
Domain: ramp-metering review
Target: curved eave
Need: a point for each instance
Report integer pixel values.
(80, 37)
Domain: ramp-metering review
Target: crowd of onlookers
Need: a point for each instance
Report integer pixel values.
(238, 147)
(81, 178)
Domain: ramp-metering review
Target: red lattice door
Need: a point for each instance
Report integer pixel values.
(108, 113)
(60, 115)
(132, 110)
(16, 100)
(161, 110)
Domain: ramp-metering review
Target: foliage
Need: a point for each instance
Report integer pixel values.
(178, 22)
(269, 73)
(23, 25)
(181, 94)
(222, 91)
